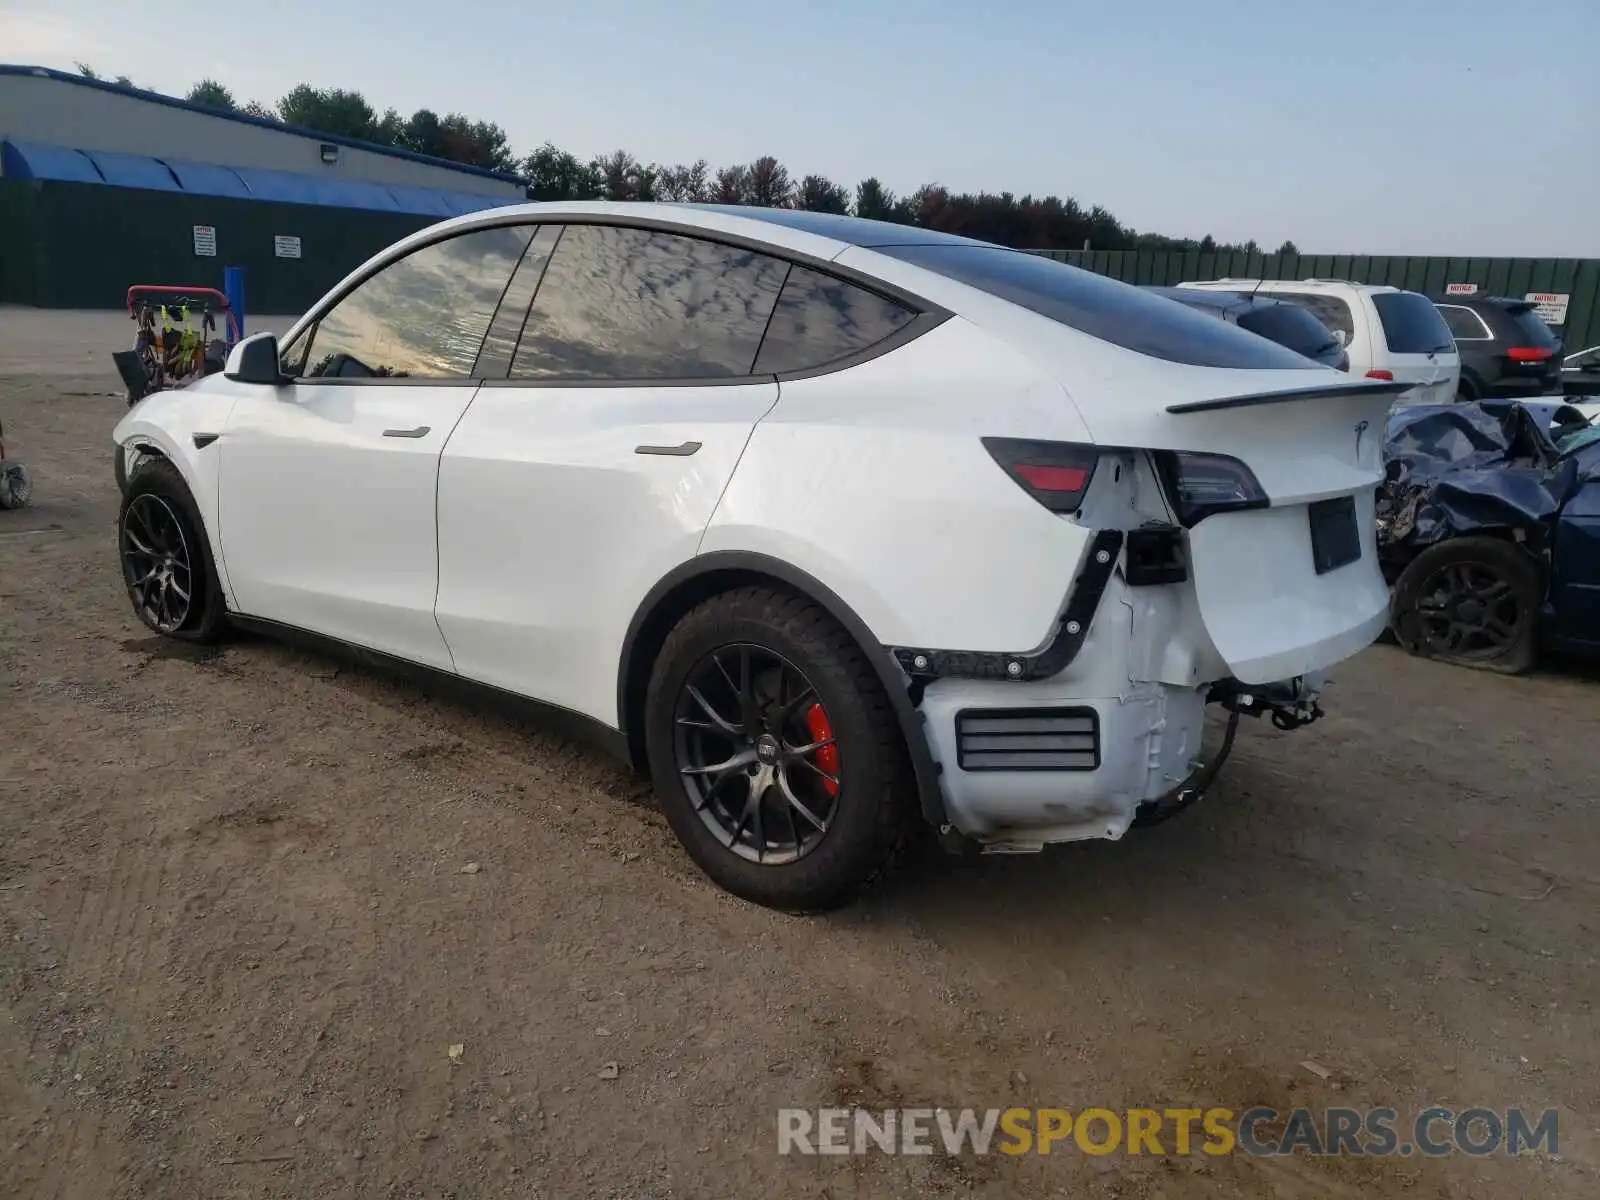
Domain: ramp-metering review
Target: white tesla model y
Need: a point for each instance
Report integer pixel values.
(831, 525)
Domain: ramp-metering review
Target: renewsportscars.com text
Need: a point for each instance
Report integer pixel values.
(1372, 1132)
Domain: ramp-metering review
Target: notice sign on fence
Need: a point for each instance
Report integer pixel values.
(1460, 289)
(1549, 307)
(205, 241)
(285, 246)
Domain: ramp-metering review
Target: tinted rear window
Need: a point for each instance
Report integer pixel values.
(1534, 331)
(1103, 308)
(1411, 324)
(1292, 326)
(1330, 310)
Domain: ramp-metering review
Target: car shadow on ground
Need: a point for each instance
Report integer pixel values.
(1176, 870)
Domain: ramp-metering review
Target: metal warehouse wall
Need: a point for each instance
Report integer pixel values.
(80, 245)
(59, 112)
(1578, 277)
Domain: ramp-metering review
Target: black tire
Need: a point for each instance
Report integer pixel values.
(156, 485)
(873, 794)
(1466, 391)
(1472, 601)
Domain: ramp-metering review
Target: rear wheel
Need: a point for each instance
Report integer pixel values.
(774, 752)
(166, 561)
(1472, 601)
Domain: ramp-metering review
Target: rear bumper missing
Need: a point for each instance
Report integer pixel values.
(1025, 766)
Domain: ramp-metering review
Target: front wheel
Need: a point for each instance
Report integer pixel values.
(775, 755)
(1473, 601)
(166, 561)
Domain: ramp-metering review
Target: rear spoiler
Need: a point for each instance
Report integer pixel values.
(1339, 391)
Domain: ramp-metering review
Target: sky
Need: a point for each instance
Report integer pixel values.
(1466, 127)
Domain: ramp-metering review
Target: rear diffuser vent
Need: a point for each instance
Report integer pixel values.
(1028, 739)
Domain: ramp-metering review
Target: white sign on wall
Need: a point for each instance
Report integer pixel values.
(1460, 289)
(205, 241)
(284, 246)
(1550, 307)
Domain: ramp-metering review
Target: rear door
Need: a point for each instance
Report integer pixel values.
(592, 468)
(1418, 346)
(326, 487)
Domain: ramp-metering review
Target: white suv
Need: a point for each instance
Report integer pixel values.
(1390, 334)
(830, 524)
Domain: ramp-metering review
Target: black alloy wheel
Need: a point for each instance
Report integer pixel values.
(775, 751)
(757, 754)
(157, 563)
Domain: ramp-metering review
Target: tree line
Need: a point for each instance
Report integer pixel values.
(1032, 222)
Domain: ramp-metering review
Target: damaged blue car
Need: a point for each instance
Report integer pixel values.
(1489, 531)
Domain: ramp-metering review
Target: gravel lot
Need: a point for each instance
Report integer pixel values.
(237, 940)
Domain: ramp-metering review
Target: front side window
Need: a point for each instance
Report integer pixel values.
(820, 319)
(1465, 325)
(634, 304)
(1332, 311)
(420, 317)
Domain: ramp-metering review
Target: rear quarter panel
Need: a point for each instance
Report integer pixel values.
(875, 481)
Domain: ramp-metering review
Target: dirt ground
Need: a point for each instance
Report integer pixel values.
(237, 940)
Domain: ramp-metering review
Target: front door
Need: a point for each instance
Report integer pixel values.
(326, 501)
(327, 509)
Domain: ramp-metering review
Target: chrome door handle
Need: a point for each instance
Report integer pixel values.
(419, 431)
(681, 450)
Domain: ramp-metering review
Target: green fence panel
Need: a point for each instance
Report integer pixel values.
(1520, 277)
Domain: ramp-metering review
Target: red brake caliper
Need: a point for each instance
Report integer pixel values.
(828, 756)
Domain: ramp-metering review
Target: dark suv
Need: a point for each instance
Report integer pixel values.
(1276, 320)
(1506, 350)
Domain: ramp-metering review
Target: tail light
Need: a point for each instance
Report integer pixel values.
(1202, 484)
(1379, 373)
(1529, 353)
(1056, 474)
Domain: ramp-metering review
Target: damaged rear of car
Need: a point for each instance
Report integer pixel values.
(1489, 531)
(1216, 491)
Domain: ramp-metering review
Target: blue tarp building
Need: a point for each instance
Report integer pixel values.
(104, 186)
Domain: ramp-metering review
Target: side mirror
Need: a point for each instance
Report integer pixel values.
(255, 360)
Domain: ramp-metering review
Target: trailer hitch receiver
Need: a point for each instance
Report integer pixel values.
(1290, 703)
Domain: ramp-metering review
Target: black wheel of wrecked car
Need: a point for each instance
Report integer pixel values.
(1473, 601)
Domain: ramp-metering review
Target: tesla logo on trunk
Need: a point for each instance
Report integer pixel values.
(1361, 429)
